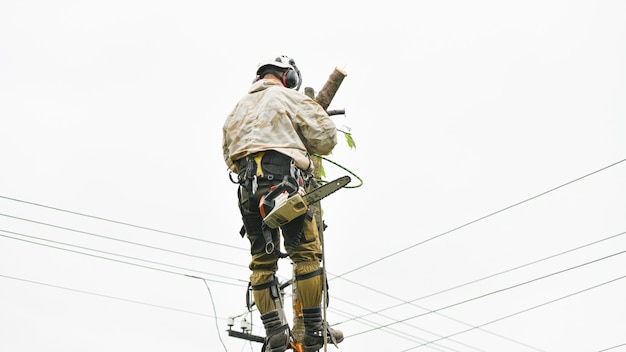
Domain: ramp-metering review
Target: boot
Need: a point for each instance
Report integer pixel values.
(276, 331)
(313, 333)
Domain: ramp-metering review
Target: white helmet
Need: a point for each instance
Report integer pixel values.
(292, 77)
(281, 61)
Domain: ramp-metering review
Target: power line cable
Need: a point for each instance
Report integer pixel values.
(436, 312)
(389, 330)
(523, 311)
(122, 223)
(123, 241)
(106, 296)
(612, 348)
(110, 253)
(480, 218)
(219, 335)
(499, 291)
(393, 331)
(492, 275)
(358, 318)
(426, 309)
(111, 259)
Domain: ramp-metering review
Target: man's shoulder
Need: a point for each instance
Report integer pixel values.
(265, 84)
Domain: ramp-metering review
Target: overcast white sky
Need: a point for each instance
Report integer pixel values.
(468, 117)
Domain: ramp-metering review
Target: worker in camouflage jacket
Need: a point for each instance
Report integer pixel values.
(268, 139)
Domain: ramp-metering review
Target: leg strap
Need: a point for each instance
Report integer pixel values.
(319, 271)
(314, 273)
(274, 292)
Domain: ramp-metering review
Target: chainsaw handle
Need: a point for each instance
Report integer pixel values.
(275, 191)
(268, 199)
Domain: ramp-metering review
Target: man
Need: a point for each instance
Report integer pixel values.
(268, 139)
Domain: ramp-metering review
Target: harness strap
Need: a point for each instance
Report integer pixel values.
(248, 181)
(257, 161)
(267, 235)
(319, 271)
(270, 284)
(314, 273)
(273, 282)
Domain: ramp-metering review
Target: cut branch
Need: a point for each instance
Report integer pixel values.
(327, 93)
(336, 112)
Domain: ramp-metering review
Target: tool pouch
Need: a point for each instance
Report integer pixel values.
(276, 165)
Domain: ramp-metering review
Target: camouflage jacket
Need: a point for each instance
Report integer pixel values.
(272, 117)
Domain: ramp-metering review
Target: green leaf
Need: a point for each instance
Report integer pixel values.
(350, 140)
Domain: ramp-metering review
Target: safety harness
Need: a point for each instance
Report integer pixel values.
(255, 167)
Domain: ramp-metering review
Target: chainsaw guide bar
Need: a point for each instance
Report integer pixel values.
(288, 207)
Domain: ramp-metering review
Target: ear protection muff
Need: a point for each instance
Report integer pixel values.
(291, 79)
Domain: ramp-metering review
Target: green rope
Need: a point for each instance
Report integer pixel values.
(342, 167)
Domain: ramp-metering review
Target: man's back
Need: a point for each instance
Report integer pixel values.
(271, 117)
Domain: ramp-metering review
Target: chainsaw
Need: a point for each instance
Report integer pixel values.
(286, 201)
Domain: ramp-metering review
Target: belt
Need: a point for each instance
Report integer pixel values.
(268, 165)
